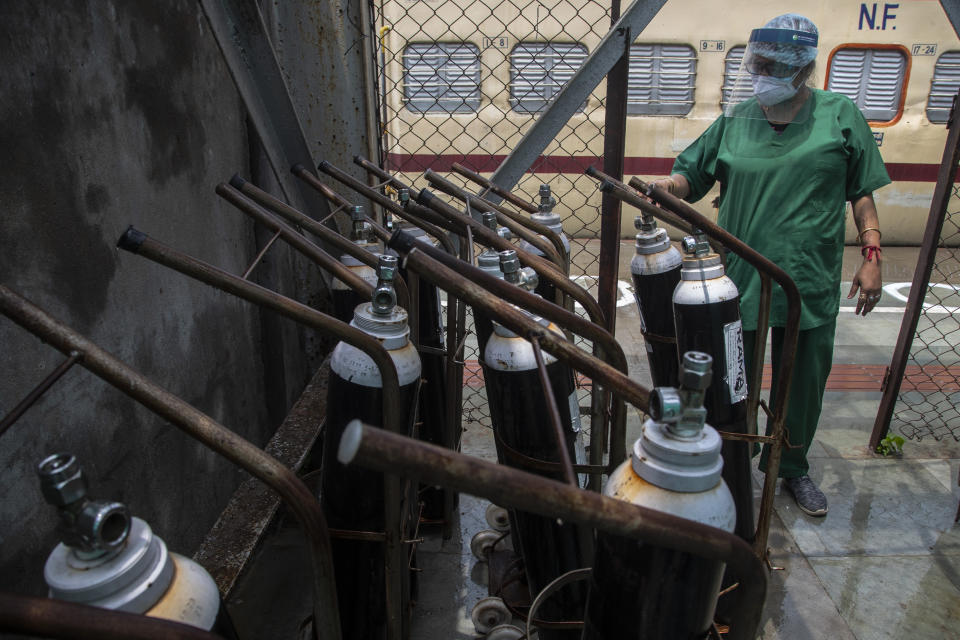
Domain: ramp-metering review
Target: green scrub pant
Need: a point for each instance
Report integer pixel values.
(811, 368)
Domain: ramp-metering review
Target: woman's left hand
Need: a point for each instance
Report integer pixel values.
(870, 284)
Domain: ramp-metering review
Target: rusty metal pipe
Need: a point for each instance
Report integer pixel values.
(540, 236)
(332, 196)
(605, 345)
(511, 488)
(31, 398)
(563, 284)
(137, 242)
(759, 353)
(48, 618)
(210, 433)
(563, 452)
(544, 268)
(521, 324)
(482, 233)
(506, 194)
(365, 190)
(317, 255)
(297, 217)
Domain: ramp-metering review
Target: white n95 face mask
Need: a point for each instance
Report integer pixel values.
(770, 91)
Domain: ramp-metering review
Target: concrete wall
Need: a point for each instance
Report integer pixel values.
(115, 113)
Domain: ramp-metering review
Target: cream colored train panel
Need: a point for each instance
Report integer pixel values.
(900, 51)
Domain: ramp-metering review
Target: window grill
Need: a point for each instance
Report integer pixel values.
(943, 86)
(872, 78)
(538, 71)
(661, 80)
(442, 77)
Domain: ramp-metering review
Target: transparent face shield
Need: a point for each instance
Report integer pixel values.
(769, 82)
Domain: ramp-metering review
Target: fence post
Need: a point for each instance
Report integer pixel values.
(921, 279)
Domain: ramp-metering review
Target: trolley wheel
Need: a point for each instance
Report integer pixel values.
(505, 632)
(483, 541)
(498, 518)
(489, 613)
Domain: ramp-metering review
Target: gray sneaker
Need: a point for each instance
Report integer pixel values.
(809, 498)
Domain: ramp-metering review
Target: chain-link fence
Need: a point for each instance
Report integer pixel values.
(929, 401)
(462, 82)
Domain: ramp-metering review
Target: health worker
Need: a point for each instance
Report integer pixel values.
(788, 158)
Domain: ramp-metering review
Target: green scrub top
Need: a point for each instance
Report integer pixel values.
(785, 195)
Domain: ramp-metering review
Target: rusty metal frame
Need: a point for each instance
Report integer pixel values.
(376, 449)
(427, 224)
(137, 242)
(301, 244)
(563, 454)
(551, 260)
(921, 278)
(495, 189)
(604, 343)
(791, 331)
(540, 236)
(297, 217)
(208, 432)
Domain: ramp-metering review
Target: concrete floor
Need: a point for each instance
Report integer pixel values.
(885, 562)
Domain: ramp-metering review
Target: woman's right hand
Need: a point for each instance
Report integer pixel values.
(675, 185)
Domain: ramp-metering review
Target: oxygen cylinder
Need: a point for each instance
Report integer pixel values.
(112, 560)
(352, 498)
(706, 307)
(433, 397)
(639, 591)
(345, 299)
(548, 218)
(489, 262)
(655, 270)
(523, 431)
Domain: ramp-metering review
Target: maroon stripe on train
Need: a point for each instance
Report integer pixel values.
(633, 165)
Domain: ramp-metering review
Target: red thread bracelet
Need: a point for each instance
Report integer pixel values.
(870, 250)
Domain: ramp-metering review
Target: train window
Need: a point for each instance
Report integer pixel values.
(538, 70)
(943, 86)
(873, 78)
(661, 79)
(731, 67)
(442, 77)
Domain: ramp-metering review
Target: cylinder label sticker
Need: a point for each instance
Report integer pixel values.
(736, 372)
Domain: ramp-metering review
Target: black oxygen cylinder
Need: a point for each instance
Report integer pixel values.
(344, 298)
(352, 497)
(706, 306)
(639, 591)
(488, 261)
(655, 270)
(522, 430)
(547, 217)
(433, 396)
